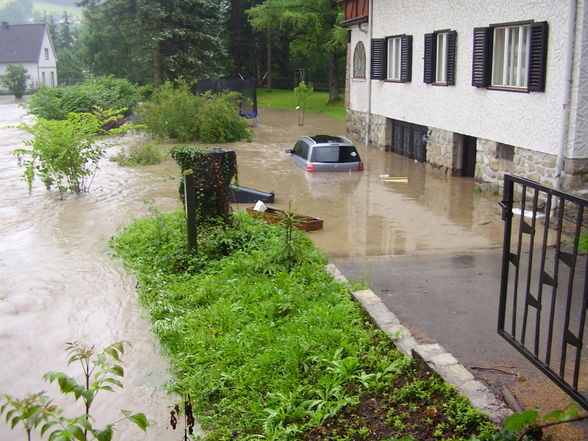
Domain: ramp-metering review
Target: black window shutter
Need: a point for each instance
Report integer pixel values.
(451, 55)
(481, 57)
(537, 57)
(378, 61)
(406, 58)
(430, 55)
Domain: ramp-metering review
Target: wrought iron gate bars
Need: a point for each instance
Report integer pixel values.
(557, 202)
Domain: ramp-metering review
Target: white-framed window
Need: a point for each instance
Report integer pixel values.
(394, 58)
(46, 54)
(43, 80)
(391, 58)
(441, 53)
(510, 56)
(359, 61)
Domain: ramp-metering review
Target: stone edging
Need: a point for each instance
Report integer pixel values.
(429, 356)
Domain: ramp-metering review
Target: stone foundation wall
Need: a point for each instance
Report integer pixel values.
(491, 168)
(441, 148)
(575, 176)
(357, 125)
(492, 163)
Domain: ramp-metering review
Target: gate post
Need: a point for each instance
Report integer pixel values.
(190, 207)
(506, 204)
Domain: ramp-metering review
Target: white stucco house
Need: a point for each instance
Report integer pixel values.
(30, 46)
(474, 87)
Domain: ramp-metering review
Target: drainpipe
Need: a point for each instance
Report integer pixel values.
(369, 110)
(568, 72)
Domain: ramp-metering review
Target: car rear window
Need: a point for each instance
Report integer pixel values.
(334, 153)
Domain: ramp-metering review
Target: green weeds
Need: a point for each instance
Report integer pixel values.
(278, 355)
(138, 154)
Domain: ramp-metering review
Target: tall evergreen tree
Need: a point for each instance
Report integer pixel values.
(66, 36)
(154, 40)
(244, 44)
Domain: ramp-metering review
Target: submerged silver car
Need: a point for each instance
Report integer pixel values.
(326, 153)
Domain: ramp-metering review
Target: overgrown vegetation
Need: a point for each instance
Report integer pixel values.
(174, 112)
(105, 93)
(101, 372)
(282, 354)
(64, 154)
(140, 153)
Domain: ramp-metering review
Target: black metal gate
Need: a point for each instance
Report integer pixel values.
(544, 289)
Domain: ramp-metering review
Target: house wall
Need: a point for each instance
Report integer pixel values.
(531, 122)
(36, 69)
(47, 65)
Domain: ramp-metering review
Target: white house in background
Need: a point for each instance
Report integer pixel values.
(474, 87)
(30, 46)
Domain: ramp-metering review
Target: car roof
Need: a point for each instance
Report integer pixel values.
(323, 139)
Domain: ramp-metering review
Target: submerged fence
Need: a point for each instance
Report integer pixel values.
(544, 289)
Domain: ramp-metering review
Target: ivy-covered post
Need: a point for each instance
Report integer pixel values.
(190, 207)
(213, 170)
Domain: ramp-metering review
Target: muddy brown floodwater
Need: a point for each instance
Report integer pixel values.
(58, 282)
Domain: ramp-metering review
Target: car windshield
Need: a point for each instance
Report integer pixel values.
(334, 153)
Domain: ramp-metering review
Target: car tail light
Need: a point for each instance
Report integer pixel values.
(310, 168)
(360, 167)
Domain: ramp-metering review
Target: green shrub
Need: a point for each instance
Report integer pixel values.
(103, 92)
(174, 112)
(15, 79)
(65, 154)
(138, 154)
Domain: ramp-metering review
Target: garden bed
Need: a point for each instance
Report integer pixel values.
(271, 348)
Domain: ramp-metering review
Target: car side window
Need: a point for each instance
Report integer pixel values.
(303, 150)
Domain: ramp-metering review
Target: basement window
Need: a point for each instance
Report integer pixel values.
(504, 151)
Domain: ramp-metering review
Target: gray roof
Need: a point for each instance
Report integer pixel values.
(21, 43)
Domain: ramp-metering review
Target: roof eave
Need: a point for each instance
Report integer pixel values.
(354, 21)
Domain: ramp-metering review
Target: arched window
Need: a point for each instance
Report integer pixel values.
(359, 61)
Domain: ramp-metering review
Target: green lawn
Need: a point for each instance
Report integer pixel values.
(285, 99)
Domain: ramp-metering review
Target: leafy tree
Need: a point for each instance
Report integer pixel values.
(313, 23)
(15, 79)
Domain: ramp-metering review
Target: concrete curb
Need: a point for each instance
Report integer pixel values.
(429, 356)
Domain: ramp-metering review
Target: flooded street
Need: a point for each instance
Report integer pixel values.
(368, 213)
(59, 283)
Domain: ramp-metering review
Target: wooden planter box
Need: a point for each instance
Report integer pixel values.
(273, 216)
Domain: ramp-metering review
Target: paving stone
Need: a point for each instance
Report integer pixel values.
(427, 352)
(337, 275)
(366, 296)
(455, 374)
